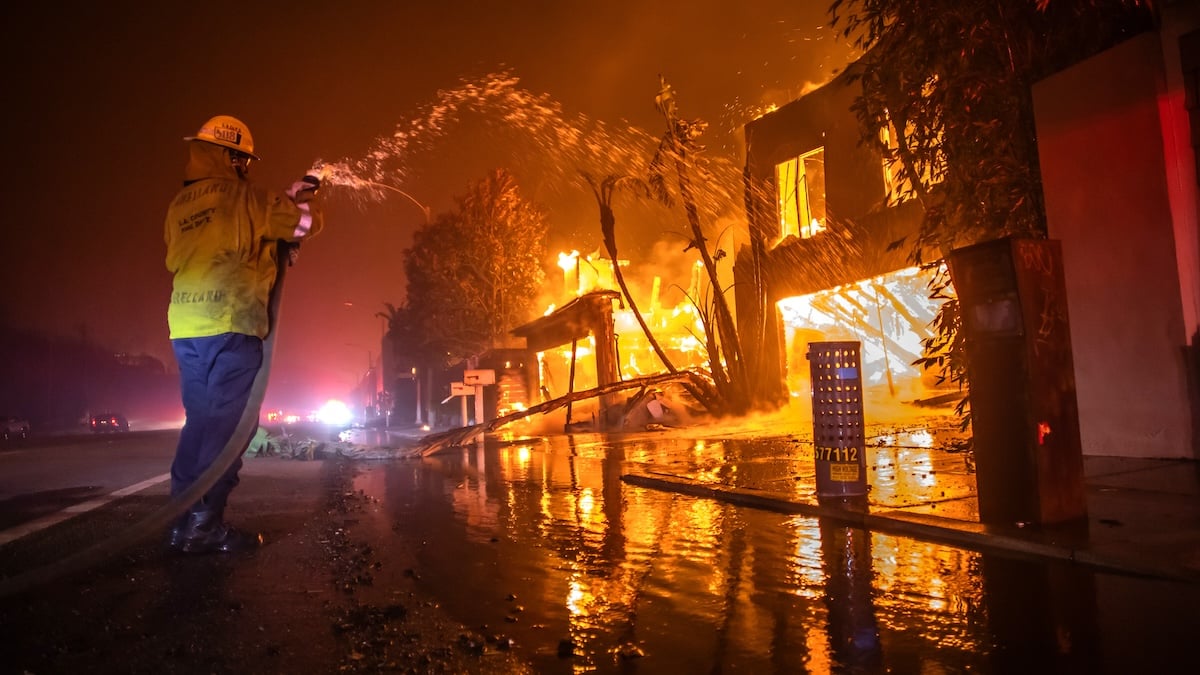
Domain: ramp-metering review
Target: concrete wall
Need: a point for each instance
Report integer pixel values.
(1113, 197)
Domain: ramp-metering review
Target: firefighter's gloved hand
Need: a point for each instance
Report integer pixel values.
(304, 189)
(293, 252)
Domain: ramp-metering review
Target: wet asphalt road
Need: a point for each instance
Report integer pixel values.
(535, 557)
(302, 603)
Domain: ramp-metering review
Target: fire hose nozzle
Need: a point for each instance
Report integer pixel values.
(320, 172)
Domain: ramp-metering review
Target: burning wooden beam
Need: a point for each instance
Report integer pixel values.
(696, 383)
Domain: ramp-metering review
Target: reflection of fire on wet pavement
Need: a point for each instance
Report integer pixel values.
(606, 571)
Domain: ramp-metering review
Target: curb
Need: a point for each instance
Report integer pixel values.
(971, 535)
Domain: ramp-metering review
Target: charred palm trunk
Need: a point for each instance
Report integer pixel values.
(608, 222)
(731, 348)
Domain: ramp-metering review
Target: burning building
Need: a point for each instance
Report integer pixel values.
(821, 263)
(594, 339)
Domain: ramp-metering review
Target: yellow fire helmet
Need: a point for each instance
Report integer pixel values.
(227, 132)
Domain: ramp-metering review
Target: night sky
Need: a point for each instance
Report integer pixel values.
(99, 95)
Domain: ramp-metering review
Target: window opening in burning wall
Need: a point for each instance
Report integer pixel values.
(801, 185)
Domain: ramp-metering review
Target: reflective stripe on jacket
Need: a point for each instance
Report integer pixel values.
(221, 233)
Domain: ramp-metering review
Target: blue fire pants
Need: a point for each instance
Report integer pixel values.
(216, 375)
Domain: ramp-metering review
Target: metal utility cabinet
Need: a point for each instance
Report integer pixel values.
(1024, 415)
(839, 445)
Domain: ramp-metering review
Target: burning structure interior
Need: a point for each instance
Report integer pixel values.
(593, 339)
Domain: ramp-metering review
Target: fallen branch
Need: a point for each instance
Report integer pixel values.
(691, 380)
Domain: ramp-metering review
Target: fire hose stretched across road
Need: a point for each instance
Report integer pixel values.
(157, 522)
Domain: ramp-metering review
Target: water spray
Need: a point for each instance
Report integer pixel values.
(340, 174)
(546, 138)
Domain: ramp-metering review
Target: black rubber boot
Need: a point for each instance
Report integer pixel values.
(175, 534)
(205, 532)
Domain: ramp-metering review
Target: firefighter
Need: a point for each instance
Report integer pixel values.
(222, 234)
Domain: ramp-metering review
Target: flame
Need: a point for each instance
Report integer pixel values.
(675, 326)
(567, 261)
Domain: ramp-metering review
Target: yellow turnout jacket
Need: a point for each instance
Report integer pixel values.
(221, 233)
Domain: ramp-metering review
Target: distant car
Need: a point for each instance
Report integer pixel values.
(105, 422)
(14, 427)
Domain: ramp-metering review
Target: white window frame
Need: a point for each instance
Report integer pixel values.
(800, 195)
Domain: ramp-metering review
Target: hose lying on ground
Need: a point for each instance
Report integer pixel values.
(156, 523)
